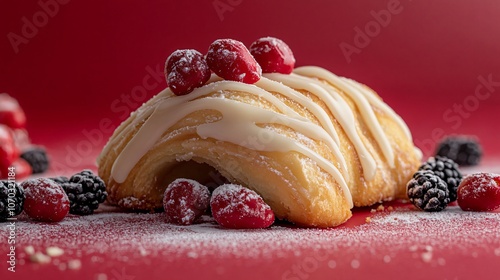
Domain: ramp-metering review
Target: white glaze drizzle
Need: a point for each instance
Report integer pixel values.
(339, 109)
(239, 120)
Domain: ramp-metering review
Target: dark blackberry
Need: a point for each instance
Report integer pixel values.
(85, 191)
(60, 180)
(465, 151)
(447, 170)
(427, 191)
(11, 200)
(37, 159)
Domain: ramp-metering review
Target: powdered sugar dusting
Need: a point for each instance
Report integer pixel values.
(426, 238)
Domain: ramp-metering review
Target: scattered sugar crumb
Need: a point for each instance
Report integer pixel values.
(387, 259)
(101, 276)
(373, 210)
(368, 219)
(355, 264)
(40, 257)
(74, 264)
(62, 266)
(380, 208)
(426, 256)
(29, 250)
(54, 251)
(143, 252)
(390, 208)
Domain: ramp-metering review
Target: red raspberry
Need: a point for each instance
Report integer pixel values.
(234, 206)
(231, 60)
(45, 201)
(9, 152)
(11, 113)
(479, 192)
(186, 70)
(22, 169)
(185, 201)
(273, 55)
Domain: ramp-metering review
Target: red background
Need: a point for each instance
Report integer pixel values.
(90, 53)
(79, 69)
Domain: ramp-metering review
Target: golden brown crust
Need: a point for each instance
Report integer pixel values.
(294, 186)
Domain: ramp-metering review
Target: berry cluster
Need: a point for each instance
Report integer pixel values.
(85, 191)
(16, 150)
(439, 182)
(51, 199)
(435, 184)
(464, 150)
(232, 206)
(188, 69)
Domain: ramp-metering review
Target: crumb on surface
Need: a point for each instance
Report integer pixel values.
(40, 258)
(74, 264)
(54, 251)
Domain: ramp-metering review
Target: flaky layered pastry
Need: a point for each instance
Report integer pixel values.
(312, 144)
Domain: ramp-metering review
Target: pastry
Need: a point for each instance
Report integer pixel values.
(311, 143)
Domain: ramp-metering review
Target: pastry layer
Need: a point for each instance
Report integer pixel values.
(312, 144)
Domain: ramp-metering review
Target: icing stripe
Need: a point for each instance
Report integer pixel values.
(241, 121)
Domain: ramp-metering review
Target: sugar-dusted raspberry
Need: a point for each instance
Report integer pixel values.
(273, 55)
(186, 70)
(45, 200)
(234, 206)
(479, 192)
(11, 114)
(21, 167)
(9, 152)
(185, 201)
(231, 60)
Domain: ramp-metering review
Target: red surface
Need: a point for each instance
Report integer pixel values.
(92, 62)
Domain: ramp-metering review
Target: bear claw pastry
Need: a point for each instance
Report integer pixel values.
(311, 143)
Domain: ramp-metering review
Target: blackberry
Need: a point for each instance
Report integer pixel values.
(37, 159)
(427, 191)
(8, 199)
(60, 180)
(465, 151)
(447, 170)
(85, 191)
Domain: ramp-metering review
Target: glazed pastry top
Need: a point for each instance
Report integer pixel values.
(239, 122)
